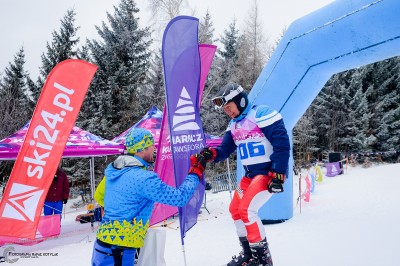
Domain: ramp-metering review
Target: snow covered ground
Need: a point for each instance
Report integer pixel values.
(351, 219)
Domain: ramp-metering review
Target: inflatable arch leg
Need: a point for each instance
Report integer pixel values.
(340, 36)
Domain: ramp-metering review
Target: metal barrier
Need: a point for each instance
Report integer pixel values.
(221, 183)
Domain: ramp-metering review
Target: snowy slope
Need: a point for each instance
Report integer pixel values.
(351, 219)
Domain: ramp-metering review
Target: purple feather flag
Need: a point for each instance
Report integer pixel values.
(181, 61)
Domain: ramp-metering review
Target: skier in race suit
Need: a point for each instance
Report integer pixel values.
(259, 134)
(130, 193)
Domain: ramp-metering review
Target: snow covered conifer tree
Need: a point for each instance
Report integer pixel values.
(15, 103)
(388, 93)
(61, 48)
(123, 58)
(154, 89)
(229, 53)
(14, 96)
(252, 49)
(206, 29)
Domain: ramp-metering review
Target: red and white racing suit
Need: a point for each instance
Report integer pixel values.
(261, 138)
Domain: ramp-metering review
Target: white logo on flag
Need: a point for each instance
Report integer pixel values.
(184, 116)
(334, 169)
(22, 202)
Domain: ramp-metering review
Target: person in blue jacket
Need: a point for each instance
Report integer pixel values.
(259, 134)
(130, 193)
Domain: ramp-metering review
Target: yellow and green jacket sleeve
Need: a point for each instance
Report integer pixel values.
(99, 193)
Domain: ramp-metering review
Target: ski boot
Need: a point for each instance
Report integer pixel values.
(244, 255)
(261, 256)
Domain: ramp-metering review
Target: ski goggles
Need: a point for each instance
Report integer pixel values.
(220, 101)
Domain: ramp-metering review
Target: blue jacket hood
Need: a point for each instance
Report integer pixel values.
(122, 164)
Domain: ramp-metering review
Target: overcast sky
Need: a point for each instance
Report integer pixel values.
(30, 23)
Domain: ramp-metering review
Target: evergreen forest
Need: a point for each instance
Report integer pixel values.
(357, 113)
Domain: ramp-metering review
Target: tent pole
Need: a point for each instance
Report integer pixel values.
(229, 177)
(92, 178)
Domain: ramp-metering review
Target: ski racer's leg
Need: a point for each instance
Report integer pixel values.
(245, 254)
(255, 196)
(234, 206)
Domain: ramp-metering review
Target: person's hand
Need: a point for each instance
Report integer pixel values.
(276, 184)
(209, 154)
(65, 201)
(197, 165)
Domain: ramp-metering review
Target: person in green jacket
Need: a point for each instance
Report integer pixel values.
(99, 193)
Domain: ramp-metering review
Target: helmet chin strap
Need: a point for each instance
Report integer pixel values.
(243, 113)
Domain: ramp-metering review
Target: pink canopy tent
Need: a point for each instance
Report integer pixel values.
(80, 143)
(152, 121)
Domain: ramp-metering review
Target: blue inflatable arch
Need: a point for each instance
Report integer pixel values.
(343, 35)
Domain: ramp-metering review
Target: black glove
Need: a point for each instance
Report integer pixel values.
(276, 184)
(209, 154)
(197, 165)
(65, 201)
